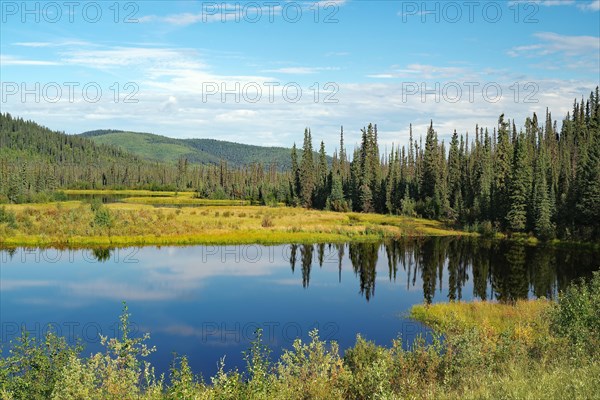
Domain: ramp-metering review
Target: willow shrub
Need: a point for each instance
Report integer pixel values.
(577, 316)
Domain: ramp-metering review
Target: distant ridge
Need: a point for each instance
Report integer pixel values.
(161, 148)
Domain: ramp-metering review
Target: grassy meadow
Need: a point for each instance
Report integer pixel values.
(171, 218)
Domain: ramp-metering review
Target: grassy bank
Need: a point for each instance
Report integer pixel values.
(523, 317)
(538, 349)
(135, 221)
(484, 355)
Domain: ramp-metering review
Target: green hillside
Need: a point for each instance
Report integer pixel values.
(161, 148)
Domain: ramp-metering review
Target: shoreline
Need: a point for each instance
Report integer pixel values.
(75, 224)
(146, 218)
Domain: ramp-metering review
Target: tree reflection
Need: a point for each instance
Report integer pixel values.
(10, 252)
(506, 271)
(543, 273)
(102, 254)
(307, 255)
(293, 251)
(340, 252)
(510, 279)
(364, 261)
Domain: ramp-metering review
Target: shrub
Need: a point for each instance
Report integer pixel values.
(577, 316)
(486, 229)
(311, 370)
(103, 218)
(33, 367)
(408, 207)
(370, 369)
(183, 382)
(95, 204)
(352, 219)
(8, 217)
(258, 367)
(60, 196)
(267, 221)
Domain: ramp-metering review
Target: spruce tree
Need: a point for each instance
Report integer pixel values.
(543, 226)
(307, 171)
(518, 188)
(454, 175)
(296, 182)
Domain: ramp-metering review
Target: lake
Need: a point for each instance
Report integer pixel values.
(207, 301)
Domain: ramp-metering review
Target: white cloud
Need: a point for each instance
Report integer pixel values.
(182, 19)
(593, 5)
(337, 54)
(33, 44)
(301, 70)
(171, 99)
(248, 13)
(578, 52)
(585, 5)
(53, 44)
(381, 76)
(421, 71)
(546, 3)
(570, 45)
(134, 56)
(7, 60)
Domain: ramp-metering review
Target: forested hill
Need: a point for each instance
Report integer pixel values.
(22, 140)
(35, 161)
(197, 151)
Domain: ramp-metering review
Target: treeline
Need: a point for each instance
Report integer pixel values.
(539, 180)
(36, 161)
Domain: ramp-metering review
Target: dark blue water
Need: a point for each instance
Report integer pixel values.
(207, 301)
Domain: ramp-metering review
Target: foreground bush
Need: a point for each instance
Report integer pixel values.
(531, 350)
(578, 315)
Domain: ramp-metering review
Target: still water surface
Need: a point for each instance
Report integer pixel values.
(207, 301)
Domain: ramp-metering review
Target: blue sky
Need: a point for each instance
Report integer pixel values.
(162, 66)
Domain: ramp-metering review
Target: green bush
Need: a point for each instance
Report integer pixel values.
(184, 384)
(369, 365)
(95, 204)
(486, 229)
(103, 218)
(8, 217)
(311, 370)
(118, 373)
(577, 316)
(59, 195)
(34, 366)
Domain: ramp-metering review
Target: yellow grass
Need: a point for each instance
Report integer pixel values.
(524, 318)
(126, 192)
(182, 200)
(71, 224)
